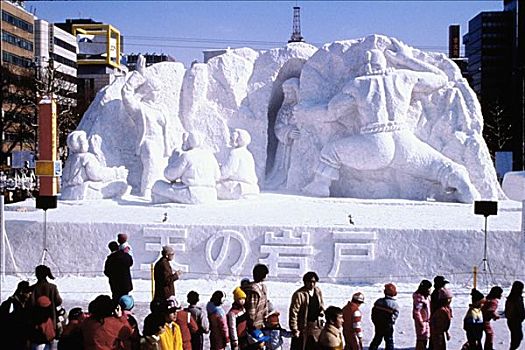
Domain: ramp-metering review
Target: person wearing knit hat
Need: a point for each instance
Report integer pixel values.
(390, 289)
(122, 238)
(164, 275)
(440, 320)
(117, 268)
(384, 315)
(236, 323)
(352, 326)
(439, 283)
(13, 317)
(473, 321)
(490, 312)
(421, 313)
(126, 302)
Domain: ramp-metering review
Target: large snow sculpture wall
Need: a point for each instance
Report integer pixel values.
(242, 88)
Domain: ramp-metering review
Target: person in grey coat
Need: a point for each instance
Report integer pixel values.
(384, 315)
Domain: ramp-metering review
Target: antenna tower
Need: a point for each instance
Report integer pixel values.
(296, 33)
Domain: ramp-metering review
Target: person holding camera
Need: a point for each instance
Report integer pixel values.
(305, 314)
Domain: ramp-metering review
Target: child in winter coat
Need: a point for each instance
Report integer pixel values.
(197, 338)
(384, 315)
(15, 318)
(421, 314)
(352, 331)
(71, 338)
(273, 330)
(473, 322)
(219, 336)
(515, 314)
(188, 326)
(330, 337)
(153, 329)
(440, 321)
(490, 312)
(127, 304)
(237, 320)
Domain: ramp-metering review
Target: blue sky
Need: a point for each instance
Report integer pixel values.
(184, 28)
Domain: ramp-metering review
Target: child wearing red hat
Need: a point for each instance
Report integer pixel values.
(384, 315)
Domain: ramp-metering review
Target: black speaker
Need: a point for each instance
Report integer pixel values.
(46, 202)
(486, 208)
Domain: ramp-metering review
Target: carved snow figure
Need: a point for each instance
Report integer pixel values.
(238, 178)
(374, 106)
(85, 178)
(286, 131)
(192, 175)
(138, 99)
(95, 147)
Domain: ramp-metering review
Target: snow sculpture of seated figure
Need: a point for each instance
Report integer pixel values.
(238, 177)
(286, 132)
(377, 102)
(192, 175)
(85, 178)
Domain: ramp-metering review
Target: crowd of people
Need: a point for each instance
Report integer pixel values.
(33, 318)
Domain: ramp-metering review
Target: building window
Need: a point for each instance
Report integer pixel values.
(64, 60)
(16, 60)
(17, 22)
(65, 45)
(17, 41)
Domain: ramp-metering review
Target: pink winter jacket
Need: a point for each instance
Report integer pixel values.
(219, 336)
(421, 315)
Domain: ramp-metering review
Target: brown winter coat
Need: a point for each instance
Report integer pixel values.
(299, 307)
(43, 287)
(330, 338)
(164, 278)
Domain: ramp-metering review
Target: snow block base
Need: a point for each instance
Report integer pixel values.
(291, 234)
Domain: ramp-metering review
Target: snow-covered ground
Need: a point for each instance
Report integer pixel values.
(78, 291)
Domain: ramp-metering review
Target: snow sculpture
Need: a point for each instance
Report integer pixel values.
(84, 177)
(514, 185)
(382, 120)
(192, 175)
(138, 98)
(243, 88)
(286, 132)
(377, 103)
(95, 147)
(238, 178)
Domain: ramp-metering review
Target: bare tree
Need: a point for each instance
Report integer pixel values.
(20, 96)
(18, 122)
(497, 130)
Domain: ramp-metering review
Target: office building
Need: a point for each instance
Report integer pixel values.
(17, 64)
(56, 54)
(151, 58)
(494, 50)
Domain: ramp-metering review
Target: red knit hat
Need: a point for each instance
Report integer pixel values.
(390, 289)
